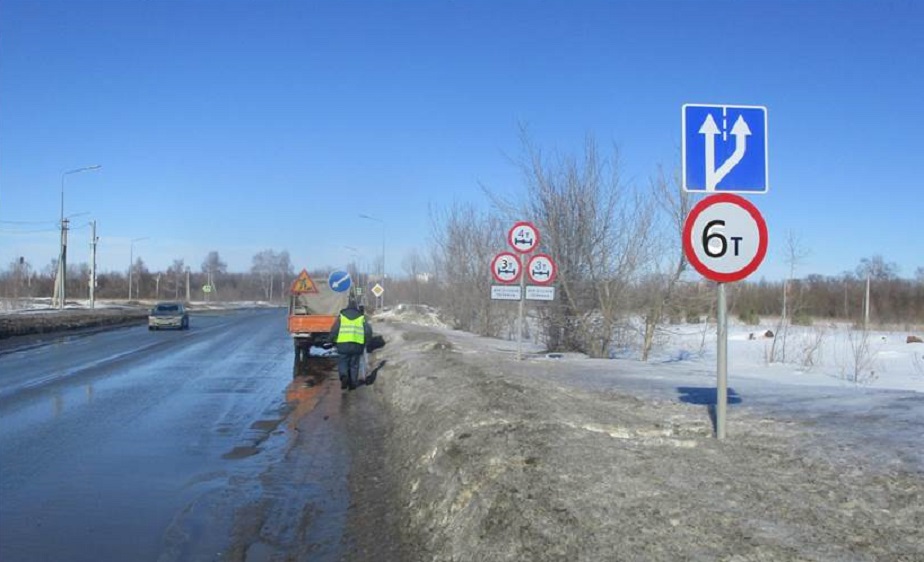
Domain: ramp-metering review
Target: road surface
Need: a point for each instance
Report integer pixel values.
(172, 445)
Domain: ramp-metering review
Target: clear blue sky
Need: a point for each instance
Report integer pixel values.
(241, 126)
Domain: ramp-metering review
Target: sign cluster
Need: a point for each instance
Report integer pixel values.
(724, 152)
(507, 267)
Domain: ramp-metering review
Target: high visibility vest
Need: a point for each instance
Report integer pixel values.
(352, 331)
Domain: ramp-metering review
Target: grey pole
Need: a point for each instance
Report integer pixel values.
(383, 263)
(131, 262)
(93, 241)
(62, 259)
(721, 398)
(63, 265)
(522, 259)
(131, 259)
(369, 217)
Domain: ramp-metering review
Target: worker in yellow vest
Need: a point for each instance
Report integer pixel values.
(350, 333)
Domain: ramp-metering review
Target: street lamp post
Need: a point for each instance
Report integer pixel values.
(131, 262)
(62, 257)
(369, 217)
(353, 267)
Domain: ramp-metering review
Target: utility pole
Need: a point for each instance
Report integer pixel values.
(62, 266)
(61, 284)
(63, 263)
(187, 284)
(93, 241)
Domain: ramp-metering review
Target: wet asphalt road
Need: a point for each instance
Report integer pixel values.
(137, 445)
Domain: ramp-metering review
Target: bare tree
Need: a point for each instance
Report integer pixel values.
(213, 266)
(213, 263)
(877, 268)
(860, 364)
(795, 254)
(141, 277)
(597, 229)
(17, 279)
(175, 276)
(264, 266)
(270, 267)
(413, 265)
(465, 239)
(285, 269)
(669, 261)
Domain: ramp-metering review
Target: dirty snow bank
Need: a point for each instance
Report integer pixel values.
(38, 316)
(420, 314)
(493, 462)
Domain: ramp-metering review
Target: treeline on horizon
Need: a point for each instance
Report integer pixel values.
(893, 299)
(621, 275)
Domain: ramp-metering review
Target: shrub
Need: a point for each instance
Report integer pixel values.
(750, 317)
(801, 319)
(694, 318)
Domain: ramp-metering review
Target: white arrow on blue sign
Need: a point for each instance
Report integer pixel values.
(724, 148)
(339, 281)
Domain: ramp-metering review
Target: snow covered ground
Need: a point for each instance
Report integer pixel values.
(831, 375)
(833, 355)
(563, 457)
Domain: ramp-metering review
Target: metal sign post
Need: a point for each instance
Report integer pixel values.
(725, 239)
(724, 149)
(523, 237)
(721, 395)
(520, 316)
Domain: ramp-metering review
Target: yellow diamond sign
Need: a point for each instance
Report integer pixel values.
(378, 290)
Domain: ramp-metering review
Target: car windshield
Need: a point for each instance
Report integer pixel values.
(167, 309)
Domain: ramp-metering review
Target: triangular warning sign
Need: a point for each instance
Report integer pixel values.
(303, 284)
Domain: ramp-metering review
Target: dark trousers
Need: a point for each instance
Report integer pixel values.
(349, 363)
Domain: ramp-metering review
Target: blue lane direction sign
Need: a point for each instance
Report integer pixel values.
(724, 148)
(339, 281)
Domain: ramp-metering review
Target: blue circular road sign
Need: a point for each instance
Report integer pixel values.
(339, 281)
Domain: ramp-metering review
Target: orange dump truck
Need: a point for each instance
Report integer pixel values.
(313, 308)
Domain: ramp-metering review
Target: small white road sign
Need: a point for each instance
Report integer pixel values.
(505, 267)
(725, 238)
(523, 237)
(378, 290)
(540, 293)
(505, 292)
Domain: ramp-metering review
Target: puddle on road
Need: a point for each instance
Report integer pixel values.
(292, 487)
